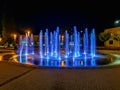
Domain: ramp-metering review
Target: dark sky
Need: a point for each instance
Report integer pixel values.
(41, 14)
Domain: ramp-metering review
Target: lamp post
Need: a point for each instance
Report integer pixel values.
(0, 40)
(14, 37)
(28, 32)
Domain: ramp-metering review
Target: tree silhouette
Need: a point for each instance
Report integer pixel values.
(104, 36)
(8, 25)
(117, 37)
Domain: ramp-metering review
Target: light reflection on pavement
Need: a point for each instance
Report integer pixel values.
(115, 53)
(4, 52)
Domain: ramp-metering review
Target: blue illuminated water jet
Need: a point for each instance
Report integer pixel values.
(41, 44)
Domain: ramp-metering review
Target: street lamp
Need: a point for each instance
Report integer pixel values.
(117, 23)
(15, 37)
(0, 39)
(28, 32)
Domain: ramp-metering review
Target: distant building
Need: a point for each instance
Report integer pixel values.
(114, 40)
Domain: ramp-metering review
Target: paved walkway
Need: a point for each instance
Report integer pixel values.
(24, 77)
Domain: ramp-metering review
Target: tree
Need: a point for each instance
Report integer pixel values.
(104, 36)
(8, 26)
(117, 37)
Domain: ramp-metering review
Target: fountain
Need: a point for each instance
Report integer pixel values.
(76, 51)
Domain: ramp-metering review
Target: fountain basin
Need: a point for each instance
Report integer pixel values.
(35, 60)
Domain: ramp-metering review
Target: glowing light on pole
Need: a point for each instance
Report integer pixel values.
(28, 33)
(15, 37)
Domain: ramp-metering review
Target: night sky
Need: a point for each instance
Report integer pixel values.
(40, 14)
